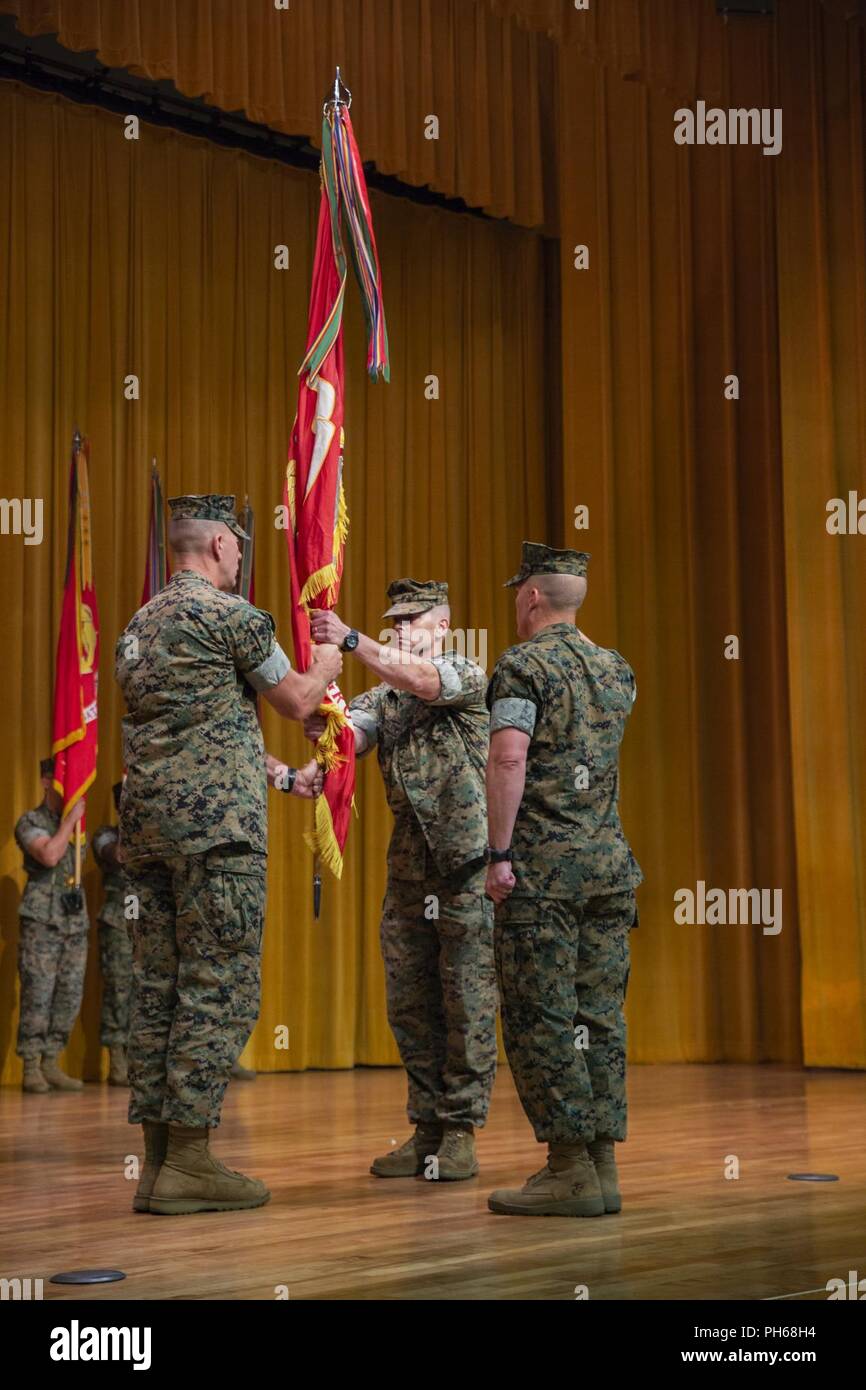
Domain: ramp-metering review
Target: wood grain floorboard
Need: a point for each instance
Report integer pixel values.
(333, 1232)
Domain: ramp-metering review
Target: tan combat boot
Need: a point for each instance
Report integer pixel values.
(567, 1186)
(117, 1073)
(155, 1146)
(239, 1073)
(191, 1179)
(456, 1155)
(408, 1160)
(33, 1079)
(57, 1079)
(601, 1152)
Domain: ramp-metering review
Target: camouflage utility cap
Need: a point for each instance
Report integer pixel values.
(415, 596)
(542, 559)
(209, 506)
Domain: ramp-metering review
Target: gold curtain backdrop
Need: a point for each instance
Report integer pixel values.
(560, 387)
(684, 491)
(489, 82)
(822, 373)
(157, 258)
(708, 519)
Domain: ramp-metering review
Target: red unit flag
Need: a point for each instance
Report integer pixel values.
(74, 743)
(313, 492)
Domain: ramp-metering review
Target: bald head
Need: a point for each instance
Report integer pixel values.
(208, 547)
(562, 593)
(543, 599)
(187, 537)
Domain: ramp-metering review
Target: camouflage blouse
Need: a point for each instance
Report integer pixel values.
(433, 755)
(573, 700)
(190, 663)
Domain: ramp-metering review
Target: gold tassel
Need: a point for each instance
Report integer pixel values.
(323, 841)
(326, 748)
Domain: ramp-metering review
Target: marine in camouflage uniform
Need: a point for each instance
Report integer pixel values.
(567, 901)
(428, 722)
(115, 949)
(193, 833)
(52, 947)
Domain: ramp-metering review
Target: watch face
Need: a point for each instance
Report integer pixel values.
(351, 641)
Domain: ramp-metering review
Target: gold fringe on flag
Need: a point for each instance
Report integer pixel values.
(323, 841)
(326, 748)
(342, 531)
(290, 493)
(322, 583)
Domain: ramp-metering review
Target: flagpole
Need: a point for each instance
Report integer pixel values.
(76, 449)
(333, 100)
(313, 493)
(317, 876)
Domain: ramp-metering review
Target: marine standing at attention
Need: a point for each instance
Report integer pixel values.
(563, 877)
(52, 948)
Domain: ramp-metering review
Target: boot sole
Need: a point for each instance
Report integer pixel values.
(456, 1177)
(186, 1206)
(612, 1205)
(378, 1173)
(574, 1207)
(141, 1204)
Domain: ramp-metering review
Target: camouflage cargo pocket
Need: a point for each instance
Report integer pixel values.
(534, 951)
(234, 898)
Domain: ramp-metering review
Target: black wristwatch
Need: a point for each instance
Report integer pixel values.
(350, 641)
(497, 856)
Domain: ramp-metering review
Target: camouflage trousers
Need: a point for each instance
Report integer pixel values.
(115, 965)
(441, 990)
(196, 979)
(563, 970)
(51, 964)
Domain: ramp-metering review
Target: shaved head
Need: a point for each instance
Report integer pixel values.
(189, 537)
(563, 593)
(543, 599)
(209, 547)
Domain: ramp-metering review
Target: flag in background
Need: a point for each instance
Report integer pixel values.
(74, 742)
(156, 568)
(313, 492)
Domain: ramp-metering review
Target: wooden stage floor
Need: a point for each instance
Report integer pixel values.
(331, 1231)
